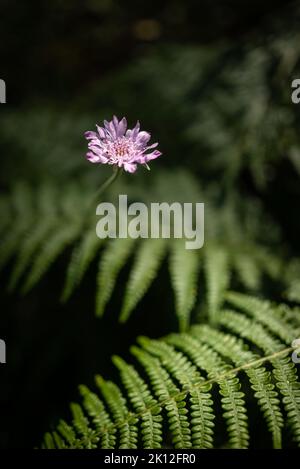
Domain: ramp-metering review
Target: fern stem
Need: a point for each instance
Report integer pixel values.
(202, 384)
(116, 172)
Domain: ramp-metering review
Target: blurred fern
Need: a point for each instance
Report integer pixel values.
(41, 224)
(232, 106)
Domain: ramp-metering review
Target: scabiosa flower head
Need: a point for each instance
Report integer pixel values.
(114, 144)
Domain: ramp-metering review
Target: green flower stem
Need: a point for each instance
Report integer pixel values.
(116, 172)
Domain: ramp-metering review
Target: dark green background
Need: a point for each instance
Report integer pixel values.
(84, 59)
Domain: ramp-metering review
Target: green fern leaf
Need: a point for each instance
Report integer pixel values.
(147, 262)
(46, 204)
(143, 403)
(168, 395)
(184, 267)
(185, 373)
(125, 422)
(260, 379)
(217, 279)
(111, 263)
(49, 252)
(175, 395)
(284, 369)
(69, 434)
(234, 408)
(82, 256)
(100, 418)
(81, 423)
(264, 313)
(22, 217)
(247, 270)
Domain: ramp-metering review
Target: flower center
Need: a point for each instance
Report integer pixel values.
(120, 150)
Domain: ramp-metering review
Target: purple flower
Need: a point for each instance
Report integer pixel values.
(113, 144)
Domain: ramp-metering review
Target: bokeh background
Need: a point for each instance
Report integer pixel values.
(212, 82)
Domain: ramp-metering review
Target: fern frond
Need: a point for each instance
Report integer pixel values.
(170, 398)
(6, 215)
(19, 221)
(111, 263)
(252, 263)
(49, 442)
(147, 262)
(88, 435)
(170, 392)
(184, 267)
(268, 262)
(217, 279)
(58, 441)
(46, 204)
(82, 256)
(100, 418)
(234, 408)
(68, 436)
(125, 422)
(247, 269)
(293, 291)
(284, 372)
(260, 379)
(143, 403)
(201, 410)
(264, 312)
(40, 224)
(49, 252)
(288, 314)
